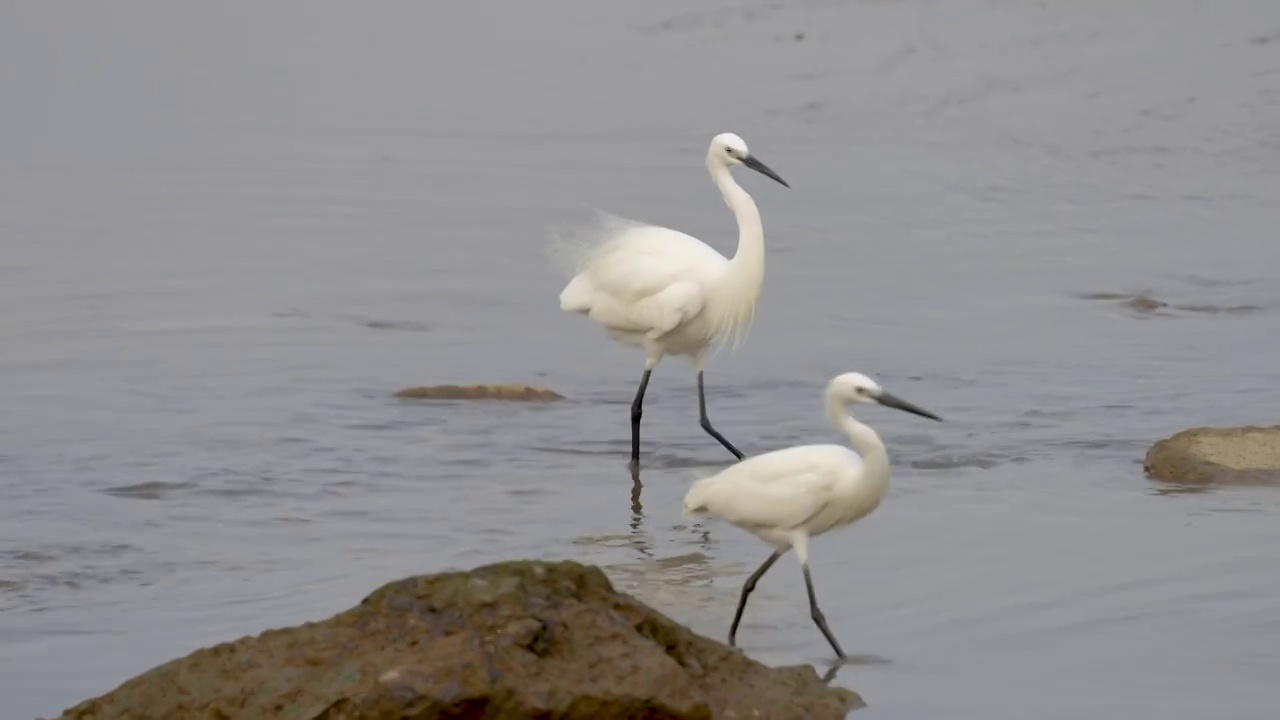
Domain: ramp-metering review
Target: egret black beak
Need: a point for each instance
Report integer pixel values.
(751, 162)
(897, 403)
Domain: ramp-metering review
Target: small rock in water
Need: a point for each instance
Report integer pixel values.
(524, 639)
(525, 393)
(1142, 302)
(1145, 303)
(1229, 456)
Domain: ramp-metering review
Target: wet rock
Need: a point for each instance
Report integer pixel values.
(526, 393)
(1145, 304)
(1235, 455)
(513, 640)
(1142, 303)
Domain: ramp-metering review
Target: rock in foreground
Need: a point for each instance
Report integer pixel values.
(526, 393)
(512, 640)
(1239, 455)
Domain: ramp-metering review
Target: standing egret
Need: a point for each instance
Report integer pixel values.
(669, 293)
(788, 496)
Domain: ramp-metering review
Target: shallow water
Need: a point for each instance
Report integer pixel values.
(230, 232)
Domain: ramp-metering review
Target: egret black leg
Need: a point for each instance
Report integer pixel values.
(637, 410)
(747, 587)
(817, 615)
(706, 421)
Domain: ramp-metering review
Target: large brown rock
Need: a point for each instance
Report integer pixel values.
(512, 640)
(1236, 455)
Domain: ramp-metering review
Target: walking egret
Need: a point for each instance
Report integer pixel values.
(788, 496)
(669, 293)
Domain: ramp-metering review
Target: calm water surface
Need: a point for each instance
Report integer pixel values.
(229, 232)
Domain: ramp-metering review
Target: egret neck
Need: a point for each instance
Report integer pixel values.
(867, 443)
(735, 298)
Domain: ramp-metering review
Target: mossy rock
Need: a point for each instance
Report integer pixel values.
(521, 639)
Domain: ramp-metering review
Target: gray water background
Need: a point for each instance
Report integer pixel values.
(229, 231)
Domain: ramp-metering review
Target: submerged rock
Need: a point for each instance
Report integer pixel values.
(1236, 455)
(526, 393)
(1145, 304)
(512, 640)
(1141, 303)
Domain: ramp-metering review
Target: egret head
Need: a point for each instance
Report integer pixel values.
(855, 387)
(728, 150)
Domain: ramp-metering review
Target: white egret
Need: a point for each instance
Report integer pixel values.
(788, 496)
(669, 293)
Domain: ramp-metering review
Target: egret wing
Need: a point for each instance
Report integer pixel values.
(782, 505)
(649, 279)
(776, 490)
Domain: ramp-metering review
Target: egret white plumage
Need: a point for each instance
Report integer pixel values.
(788, 496)
(669, 293)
